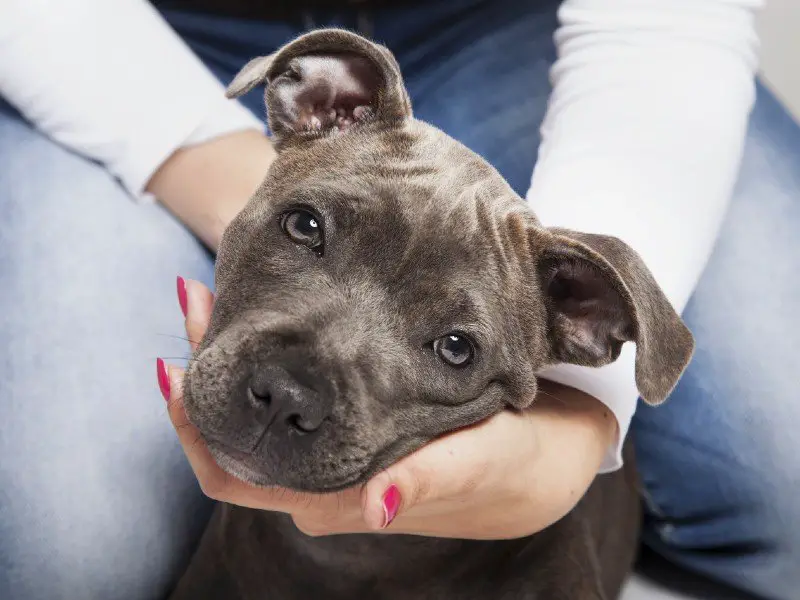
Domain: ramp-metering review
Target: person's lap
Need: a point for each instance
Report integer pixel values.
(720, 460)
(98, 503)
(96, 499)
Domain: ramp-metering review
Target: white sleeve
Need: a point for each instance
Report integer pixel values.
(642, 140)
(111, 80)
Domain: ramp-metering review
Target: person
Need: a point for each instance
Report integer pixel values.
(110, 104)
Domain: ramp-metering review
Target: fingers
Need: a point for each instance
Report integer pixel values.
(213, 480)
(332, 514)
(403, 498)
(397, 489)
(438, 478)
(407, 484)
(196, 302)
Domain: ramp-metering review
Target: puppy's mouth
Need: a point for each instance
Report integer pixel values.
(249, 468)
(236, 463)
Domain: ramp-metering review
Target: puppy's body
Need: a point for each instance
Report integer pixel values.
(383, 287)
(256, 555)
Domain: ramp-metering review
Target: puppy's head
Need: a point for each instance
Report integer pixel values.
(385, 285)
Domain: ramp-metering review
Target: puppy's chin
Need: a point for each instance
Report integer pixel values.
(239, 465)
(251, 469)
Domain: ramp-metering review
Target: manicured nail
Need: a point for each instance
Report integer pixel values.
(163, 378)
(182, 294)
(391, 504)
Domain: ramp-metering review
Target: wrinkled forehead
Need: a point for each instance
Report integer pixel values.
(417, 209)
(413, 182)
(415, 170)
(415, 152)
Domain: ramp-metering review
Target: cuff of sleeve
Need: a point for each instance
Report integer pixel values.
(222, 117)
(613, 385)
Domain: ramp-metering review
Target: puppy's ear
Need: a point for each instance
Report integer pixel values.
(599, 294)
(253, 74)
(326, 82)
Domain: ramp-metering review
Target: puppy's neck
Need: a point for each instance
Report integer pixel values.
(356, 566)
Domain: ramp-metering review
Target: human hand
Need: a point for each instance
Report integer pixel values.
(509, 476)
(206, 185)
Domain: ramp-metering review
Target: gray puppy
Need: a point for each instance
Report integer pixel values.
(384, 286)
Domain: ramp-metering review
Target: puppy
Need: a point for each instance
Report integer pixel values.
(384, 286)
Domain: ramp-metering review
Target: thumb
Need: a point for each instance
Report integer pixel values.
(441, 470)
(450, 468)
(392, 492)
(196, 302)
(209, 475)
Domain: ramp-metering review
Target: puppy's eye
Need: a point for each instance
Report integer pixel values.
(303, 228)
(454, 349)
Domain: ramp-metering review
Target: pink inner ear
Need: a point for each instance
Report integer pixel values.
(333, 92)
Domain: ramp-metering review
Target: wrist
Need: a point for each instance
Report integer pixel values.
(206, 185)
(572, 432)
(584, 414)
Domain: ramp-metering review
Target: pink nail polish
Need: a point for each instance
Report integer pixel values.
(182, 294)
(163, 378)
(391, 504)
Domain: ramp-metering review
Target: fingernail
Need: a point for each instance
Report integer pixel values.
(163, 378)
(182, 294)
(391, 504)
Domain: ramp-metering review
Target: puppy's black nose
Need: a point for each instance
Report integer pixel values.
(290, 404)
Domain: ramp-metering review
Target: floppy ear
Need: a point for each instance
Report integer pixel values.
(253, 74)
(599, 294)
(326, 82)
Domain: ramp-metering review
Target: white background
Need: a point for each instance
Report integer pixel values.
(779, 28)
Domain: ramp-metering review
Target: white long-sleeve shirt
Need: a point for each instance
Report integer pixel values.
(642, 138)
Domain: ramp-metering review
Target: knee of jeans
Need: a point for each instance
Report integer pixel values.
(93, 479)
(49, 197)
(87, 272)
(65, 218)
(720, 459)
(45, 187)
(51, 193)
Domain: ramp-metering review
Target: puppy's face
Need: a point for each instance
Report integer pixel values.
(385, 285)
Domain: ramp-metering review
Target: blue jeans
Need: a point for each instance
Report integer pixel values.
(96, 501)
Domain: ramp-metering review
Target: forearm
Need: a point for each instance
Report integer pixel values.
(206, 185)
(112, 81)
(572, 431)
(642, 140)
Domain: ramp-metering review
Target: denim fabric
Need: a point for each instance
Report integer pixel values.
(96, 501)
(721, 460)
(96, 498)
